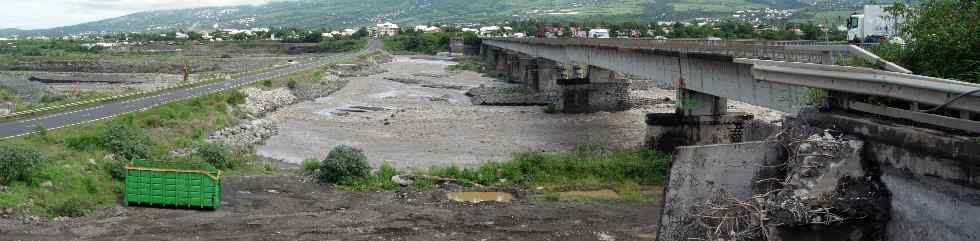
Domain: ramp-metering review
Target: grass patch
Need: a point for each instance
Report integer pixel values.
(585, 168)
(466, 64)
(379, 180)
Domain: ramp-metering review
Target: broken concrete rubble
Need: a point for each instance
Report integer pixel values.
(821, 189)
(258, 102)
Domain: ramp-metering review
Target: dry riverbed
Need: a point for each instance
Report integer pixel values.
(416, 115)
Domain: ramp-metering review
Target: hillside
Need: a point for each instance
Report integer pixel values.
(345, 13)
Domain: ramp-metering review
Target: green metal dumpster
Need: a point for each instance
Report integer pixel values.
(175, 184)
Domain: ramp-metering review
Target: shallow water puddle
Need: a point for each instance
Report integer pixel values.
(478, 197)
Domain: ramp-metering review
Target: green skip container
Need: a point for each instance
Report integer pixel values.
(173, 184)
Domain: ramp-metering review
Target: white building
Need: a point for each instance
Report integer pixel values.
(494, 31)
(386, 29)
(180, 35)
(348, 32)
(599, 33)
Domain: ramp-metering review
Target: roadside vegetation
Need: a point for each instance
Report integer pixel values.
(943, 39)
(33, 51)
(342, 44)
(73, 171)
(543, 173)
(426, 43)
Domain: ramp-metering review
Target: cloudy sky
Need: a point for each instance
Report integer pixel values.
(37, 14)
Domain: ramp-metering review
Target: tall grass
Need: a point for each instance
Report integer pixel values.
(584, 168)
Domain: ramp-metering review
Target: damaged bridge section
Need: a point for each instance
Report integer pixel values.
(826, 176)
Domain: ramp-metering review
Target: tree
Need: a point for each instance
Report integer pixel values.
(944, 38)
(362, 32)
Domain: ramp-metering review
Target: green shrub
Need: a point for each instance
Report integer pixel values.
(115, 169)
(380, 180)
(235, 98)
(267, 83)
(82, 143)
(126, 141)
(309, 166)
(217, 155)
(551, 109)
(344, 163)
(41, 131)
(291, 84)
(18, 163)
(71, 207)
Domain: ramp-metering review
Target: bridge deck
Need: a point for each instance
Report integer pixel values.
(778, 75)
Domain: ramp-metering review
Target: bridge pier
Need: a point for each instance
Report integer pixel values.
(548, 73)
(500, 60)
(489, 55)
(598, 90)
(521, 69)
(700, 119)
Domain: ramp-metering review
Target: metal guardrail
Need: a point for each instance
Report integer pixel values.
(816, 52)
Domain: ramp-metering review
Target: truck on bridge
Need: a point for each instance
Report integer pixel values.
(872, 25)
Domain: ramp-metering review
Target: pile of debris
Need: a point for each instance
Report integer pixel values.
(368, 67)
(259, 102)
(822, 190)
(252, 130)
(326, 86)
(246, 134)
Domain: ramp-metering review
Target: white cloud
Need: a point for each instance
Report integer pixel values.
(35, 14)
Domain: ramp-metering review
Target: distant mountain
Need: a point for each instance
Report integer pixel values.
(352, 13)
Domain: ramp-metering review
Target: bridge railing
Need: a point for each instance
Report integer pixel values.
(817, 52)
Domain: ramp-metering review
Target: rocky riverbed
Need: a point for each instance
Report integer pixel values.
(429, 121)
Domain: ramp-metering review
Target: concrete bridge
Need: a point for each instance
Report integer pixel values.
(923, 131)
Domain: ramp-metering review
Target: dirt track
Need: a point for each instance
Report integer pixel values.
(285, 208)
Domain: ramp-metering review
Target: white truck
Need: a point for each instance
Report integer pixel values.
(599, 33)
(872, 25)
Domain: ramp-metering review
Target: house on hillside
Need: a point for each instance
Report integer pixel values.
(385, 29)
(433, 29)
(6, 107)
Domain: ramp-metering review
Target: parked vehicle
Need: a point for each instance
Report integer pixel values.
(872, 25)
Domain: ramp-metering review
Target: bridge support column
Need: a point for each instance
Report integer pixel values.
(548, 74)
(489, 55)
(522, 65)
(600, 90)
(501, 62)
(700, 119)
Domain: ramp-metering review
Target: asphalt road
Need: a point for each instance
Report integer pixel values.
(111, 109)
